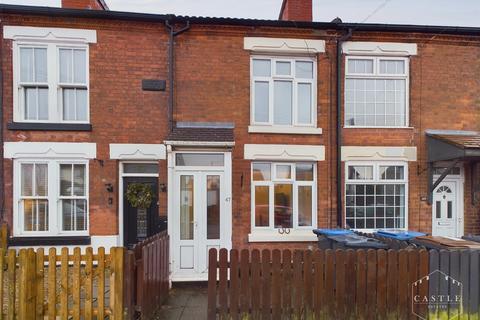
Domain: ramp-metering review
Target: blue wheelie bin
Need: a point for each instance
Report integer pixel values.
(402, 237)
(323, 235)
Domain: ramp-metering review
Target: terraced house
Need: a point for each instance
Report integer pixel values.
(245, 133)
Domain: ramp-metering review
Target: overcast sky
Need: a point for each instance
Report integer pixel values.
(431, 12)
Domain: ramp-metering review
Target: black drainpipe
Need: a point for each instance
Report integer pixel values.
(171, 67)
(340, 40)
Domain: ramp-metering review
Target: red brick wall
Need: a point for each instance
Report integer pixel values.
(82, 4)
(297, 10)
(223, 95)
(120, 111)
(444, 87)
(213, 84)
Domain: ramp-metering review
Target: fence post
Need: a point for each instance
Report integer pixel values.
(117, 255)
(4, 236)
(212, 283)
(129, 283)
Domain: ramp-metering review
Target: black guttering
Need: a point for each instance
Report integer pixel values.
(338, 133)
(131, 16)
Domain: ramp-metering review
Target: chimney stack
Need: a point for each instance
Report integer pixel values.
(85, 4)
(296, 10)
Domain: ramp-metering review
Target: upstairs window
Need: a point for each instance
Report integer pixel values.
(73, 84)
(51, 83)
(376, 92)
(50, 75)
(283, 91)
(33, 84)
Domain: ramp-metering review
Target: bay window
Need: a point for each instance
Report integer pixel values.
(283, 195)
(52, 197)
(376, 91)
(376, 195)
(283, 91)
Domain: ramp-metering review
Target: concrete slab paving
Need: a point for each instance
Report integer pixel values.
(187, 301)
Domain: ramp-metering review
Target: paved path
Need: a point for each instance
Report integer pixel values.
(187, 301)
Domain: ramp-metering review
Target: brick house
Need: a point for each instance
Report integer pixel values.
(245, 140)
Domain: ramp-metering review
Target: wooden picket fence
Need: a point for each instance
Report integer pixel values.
(373, 284)
(147, 276)
(37, 285)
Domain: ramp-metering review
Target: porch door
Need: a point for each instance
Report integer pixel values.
(198, 216)
(139, 223)
(445, 210)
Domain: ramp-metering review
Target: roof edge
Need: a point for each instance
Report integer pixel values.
(150, 17)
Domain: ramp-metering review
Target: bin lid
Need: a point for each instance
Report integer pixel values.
(358, 241)
(446, 242)
(332, 232)
(400, 234)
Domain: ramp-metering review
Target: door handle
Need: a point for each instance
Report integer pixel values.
(227, 199)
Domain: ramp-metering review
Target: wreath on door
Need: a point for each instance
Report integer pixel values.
(140, 195)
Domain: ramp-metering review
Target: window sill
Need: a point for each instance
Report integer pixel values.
(372, 127)
(274, 236)
(284, 130)
(29, 241)
(45, 126)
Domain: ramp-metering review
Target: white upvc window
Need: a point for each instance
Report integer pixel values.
(376, 91)
(283, 195)
(376, 195)
(283, 91)
(51, 82)
(51, 197)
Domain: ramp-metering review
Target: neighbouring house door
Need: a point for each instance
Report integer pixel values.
(445, 210)
(139, 223)
(199, 220)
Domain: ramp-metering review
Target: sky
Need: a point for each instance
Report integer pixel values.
(422, 12)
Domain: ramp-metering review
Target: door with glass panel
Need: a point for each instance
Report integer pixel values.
(139, 222)
(199, 206)
(445, 210)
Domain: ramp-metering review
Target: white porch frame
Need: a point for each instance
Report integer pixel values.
(171, 153)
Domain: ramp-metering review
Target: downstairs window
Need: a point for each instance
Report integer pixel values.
(283, 195)
(375, 195)
(52, 197)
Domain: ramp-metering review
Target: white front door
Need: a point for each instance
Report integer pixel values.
(445, 209)
(199, 221)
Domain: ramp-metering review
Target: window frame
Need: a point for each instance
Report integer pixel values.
(377, 75)
(60, 197)
(295, 81)
(376, 180)
(55, 99)
(55, 221)
(271, 187)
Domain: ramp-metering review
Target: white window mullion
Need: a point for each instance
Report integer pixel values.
(295, 205)
(271, 211)
(52, 57)
(52, 197)
(271, 105)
